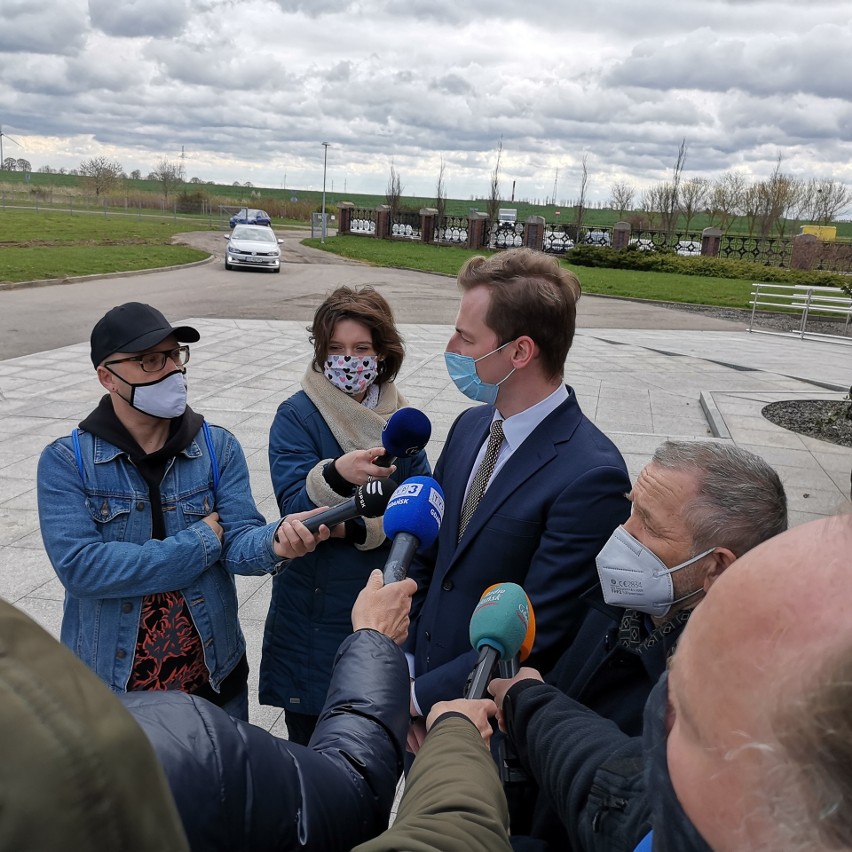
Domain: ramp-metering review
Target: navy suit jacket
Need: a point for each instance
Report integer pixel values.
(544, 518)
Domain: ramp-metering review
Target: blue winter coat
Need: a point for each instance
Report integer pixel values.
(309, 615)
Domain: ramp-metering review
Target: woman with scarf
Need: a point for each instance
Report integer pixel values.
(323, 443)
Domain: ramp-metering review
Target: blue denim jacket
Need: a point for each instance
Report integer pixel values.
(97, 535)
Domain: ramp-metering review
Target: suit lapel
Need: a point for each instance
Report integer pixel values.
(534, 454)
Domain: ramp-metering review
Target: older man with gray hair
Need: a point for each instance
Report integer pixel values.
(696, 508)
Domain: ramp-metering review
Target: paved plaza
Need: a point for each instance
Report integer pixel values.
(640, 386)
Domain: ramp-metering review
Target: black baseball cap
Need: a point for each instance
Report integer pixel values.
(134, 327)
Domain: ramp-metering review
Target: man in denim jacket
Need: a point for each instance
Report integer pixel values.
(146, 513)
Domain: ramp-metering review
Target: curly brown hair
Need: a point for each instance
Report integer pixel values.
(367, 306)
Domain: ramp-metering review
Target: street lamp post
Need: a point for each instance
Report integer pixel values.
(324, 165)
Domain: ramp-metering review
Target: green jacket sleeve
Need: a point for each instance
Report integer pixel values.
(453, 800)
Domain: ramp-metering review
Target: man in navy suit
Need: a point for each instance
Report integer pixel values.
(552, 485)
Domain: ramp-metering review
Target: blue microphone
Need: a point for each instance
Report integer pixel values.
(412, 519)
(404, 435)
(499, 627)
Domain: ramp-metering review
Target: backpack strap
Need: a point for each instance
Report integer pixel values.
(75, 440)
(208, 438)
(213, 460)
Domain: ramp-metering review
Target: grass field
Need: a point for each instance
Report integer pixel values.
(448, 260)
(56, 245)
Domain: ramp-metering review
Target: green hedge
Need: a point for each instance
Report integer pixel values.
(713, 267)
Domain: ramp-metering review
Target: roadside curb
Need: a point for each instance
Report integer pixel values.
(47, 282)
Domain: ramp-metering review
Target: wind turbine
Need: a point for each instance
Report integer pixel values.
(7, 136)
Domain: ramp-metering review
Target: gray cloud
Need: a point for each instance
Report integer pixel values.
(139, 18)
(251, 88)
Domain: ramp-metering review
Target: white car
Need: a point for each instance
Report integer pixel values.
(253, 247)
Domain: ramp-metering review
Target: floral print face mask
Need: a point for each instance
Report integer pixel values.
(352, 374)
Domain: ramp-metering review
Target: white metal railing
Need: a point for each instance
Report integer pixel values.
(803, 299)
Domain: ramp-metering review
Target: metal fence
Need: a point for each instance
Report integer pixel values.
(406, 226)
(363, 221)
(770, 251)
(503, 235)
(452, 229)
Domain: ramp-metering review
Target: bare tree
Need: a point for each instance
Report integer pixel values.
(494, 195)
(693, 198)
(24, 165)
(441, 195)
(136, 175)
(828, 198)
(776, 198)
(622, 197)
(670, 192)
(10, 164)
(580, 207)
(726, 199)
(393, 192)
(102, 174)
(651, 204)
(170, 177)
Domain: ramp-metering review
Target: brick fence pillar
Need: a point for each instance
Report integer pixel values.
(476, 223)
(344, 212)
(711, 242)
(806, 253)
(621, 235)
(534, 232)
(383, 223)
(428, 216)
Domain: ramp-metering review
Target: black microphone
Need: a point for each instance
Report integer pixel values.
(405, 434)
(412, 520)
(369, 501)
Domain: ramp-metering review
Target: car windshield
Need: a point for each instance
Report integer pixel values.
(259, 235)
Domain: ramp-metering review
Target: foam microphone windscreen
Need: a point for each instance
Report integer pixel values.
(416, 508)
(529, 637)
(501, 620)
(406, 433)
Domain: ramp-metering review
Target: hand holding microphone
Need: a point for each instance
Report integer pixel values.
(404, 435)
(412, 520)
(384, 608)
(368, 501)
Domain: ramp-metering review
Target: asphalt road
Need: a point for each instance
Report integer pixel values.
(39, 318)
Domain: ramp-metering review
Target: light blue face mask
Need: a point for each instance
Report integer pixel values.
(462, 370)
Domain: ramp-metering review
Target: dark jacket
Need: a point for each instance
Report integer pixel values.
(309, 614)
(589, 771)
(238, 787)
(542, 521)
(611, 666)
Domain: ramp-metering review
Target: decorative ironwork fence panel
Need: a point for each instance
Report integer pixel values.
(452, 229)
(363, 221)
(504, 235)
(773, 251)
(406, 225)
(683, 243)
(558, 238)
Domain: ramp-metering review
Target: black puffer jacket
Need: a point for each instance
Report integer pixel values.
(238, 787)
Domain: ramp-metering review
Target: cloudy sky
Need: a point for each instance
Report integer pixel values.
(249, 89)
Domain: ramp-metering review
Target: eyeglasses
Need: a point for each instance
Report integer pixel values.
(153, 362)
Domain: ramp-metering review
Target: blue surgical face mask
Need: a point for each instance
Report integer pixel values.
(633, 576)
(462, 370)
